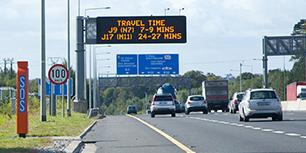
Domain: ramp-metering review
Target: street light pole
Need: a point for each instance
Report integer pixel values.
(95, 75)
(90, 61)
(180, 10)
(240, 77)
(166, 9)
(43, 116)
(90, 88)
(68, 60)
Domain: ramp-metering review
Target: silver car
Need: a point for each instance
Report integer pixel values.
(196, 103)
(260, 103)
(162, 104)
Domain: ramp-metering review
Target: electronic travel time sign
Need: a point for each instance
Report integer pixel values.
(143, 29)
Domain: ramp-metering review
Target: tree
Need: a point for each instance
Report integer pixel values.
(197, 77)
(212, 77)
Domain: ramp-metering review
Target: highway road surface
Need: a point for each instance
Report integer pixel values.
(211, 133)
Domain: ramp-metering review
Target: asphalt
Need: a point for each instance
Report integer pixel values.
(211, 133)
(122, 134)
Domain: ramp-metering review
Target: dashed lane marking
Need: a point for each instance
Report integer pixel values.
(267, 130)
(293, 134)
(250, 127)
(171, 139)
(279, 132)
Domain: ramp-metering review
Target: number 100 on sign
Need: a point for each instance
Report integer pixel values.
(58, 74)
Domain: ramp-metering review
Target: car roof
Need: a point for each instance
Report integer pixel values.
(238, 93)
(162, 95)
(195, 96)
(262, 89)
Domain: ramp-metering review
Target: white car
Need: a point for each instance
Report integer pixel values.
(196, 103)
(162, 104)
(260, 103)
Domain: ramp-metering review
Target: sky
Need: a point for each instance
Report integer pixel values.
(221, 34)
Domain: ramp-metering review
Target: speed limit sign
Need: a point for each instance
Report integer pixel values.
(58, 74)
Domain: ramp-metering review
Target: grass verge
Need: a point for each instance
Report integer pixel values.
(54, 126)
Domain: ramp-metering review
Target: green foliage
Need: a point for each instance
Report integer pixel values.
(212, 77)
(197, 77)
(6, 109)
(182, 95)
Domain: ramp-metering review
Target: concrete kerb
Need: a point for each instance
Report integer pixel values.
(76, 145)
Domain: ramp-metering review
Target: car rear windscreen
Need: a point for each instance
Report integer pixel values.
(163, 98)
(240, 96)
(263, 95)
(196, 98)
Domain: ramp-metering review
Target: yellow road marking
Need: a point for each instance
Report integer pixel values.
(177, 143)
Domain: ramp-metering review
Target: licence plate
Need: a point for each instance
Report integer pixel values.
(263, 104)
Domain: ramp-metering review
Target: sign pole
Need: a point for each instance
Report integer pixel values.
(63, 98)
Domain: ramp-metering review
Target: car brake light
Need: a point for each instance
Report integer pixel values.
(235, 101)
(189, 102)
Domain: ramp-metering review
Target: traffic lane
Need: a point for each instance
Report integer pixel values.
(293, 123)
(121, 134)
(203, 136)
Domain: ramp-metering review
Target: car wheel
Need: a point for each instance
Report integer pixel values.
(216, 110)
(187, 112)
(205, 112)
(240, 118)
(152, 115)
(246, 119)
(173, 115)
(234, 111)
(277, 118)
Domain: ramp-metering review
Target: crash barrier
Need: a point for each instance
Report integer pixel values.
(299, 105)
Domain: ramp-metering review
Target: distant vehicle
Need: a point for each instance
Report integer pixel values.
(167, 88)
(234, 102)
(296, 91)
(162, 104)
(132, 109)
(196, 103)
(260, 103)
(179, 107)
(216, 94)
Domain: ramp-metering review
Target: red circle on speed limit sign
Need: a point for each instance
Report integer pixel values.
(58, 74)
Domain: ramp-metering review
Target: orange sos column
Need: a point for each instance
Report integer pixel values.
(22, 86)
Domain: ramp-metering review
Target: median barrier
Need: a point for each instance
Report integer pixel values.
(299, 105)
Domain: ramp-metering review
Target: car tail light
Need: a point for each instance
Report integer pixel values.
(235, 101)
(205, 102)
(189, 102)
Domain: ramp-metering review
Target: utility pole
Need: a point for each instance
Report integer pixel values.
(240, 77)
(5, 69)
(11, 60)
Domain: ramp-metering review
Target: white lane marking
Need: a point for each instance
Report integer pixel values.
(293, 134)
(250, 127)
(256, 128)
(279, 132)
(267, 130)
(171, 139)
(303, 137)
(239, 125)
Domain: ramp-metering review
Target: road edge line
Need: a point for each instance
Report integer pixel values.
(171, 139)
